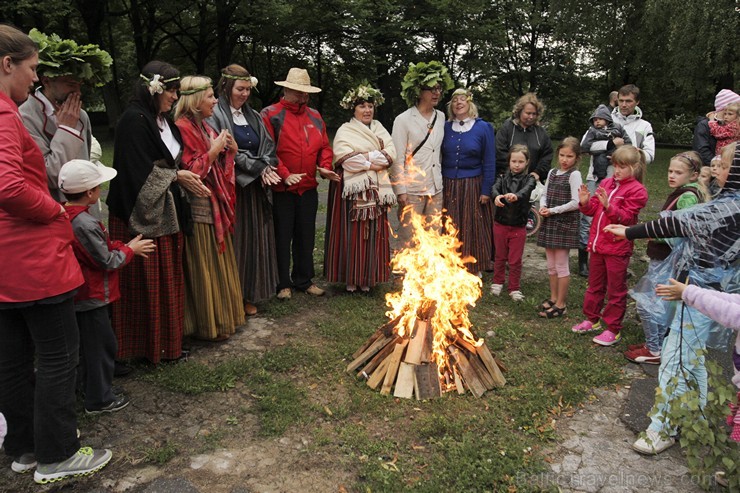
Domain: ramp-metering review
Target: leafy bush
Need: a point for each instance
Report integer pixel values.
(678, 130)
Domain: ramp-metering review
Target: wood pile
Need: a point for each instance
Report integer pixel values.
(405, 366)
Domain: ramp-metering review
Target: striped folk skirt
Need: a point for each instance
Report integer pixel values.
(355, 252)
(213, 295)
(473, 220)
(254, 243)
(148, 319)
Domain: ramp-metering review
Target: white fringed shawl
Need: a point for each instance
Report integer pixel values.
(371, 191)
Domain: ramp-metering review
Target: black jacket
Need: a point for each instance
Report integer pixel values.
(536, 140)
(522, 184)
(703, 142)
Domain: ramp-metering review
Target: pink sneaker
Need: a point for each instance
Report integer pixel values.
(586, 326)
(607, 338)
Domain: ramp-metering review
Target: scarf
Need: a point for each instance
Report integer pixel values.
(220, 179)
(370, 191)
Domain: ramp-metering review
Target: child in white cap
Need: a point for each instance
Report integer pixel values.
(100, 259)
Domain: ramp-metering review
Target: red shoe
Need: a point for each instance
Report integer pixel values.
(633, 347)
(642, 355)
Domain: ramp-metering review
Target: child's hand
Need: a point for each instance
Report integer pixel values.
(511, 197)
(142, 247)
(672, 292)
(618, 141)
(544, 211)
(617, 230)
(497, 201)
(583, 194)
(603, 197)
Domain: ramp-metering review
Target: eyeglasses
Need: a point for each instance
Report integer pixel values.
(437, 89)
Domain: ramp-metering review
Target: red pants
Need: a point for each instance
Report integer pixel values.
(509, 244)
(607, 276)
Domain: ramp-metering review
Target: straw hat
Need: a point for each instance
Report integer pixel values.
(298, 80)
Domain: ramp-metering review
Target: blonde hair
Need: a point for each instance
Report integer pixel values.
(692, 161)
(632, 157)
(188, 104)
(472, 112)
(529, 98)
(734, 107)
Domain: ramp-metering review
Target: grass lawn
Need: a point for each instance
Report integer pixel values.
(456, 443)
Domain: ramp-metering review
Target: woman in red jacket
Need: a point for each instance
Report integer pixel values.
(40, 276)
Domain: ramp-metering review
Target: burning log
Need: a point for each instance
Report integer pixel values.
(428, 347)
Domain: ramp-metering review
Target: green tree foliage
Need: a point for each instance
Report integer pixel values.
(572, 53)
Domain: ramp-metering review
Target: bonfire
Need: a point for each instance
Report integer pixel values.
(428, 347)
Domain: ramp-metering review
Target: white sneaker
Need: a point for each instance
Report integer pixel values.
(496, 289)
(517, 296)
(652, 443)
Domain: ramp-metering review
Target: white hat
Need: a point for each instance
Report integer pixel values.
(78, 176)
(298, 80)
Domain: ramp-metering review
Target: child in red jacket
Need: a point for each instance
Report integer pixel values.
(617, 201)
(99, 259)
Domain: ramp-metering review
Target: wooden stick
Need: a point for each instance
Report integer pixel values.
(378, 375)
(378, 358)
(368, 353)
(387, 329)
(427, 351)
(493, 368)
(426, 381)
(405, 381)
(416, 343)
(468, 373)
(393, 362)
(370, 340)
(458, 382)
(481, 371)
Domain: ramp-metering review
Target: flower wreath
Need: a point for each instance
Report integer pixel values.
(156, 84)
(250, 78)
(363, 92)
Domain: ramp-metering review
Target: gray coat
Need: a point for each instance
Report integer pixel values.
(57, 146)
(249, 167)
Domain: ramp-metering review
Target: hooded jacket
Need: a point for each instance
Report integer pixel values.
(534, 137)
(704, 143)
(640, 132)
(594, 139)
(626, 198)
(99, 257)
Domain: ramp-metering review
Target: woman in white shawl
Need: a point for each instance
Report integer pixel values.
(357, 250)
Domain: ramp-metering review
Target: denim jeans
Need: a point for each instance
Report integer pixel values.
(41, 415)
(679, 358)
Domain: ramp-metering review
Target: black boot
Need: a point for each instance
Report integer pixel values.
(583, 262)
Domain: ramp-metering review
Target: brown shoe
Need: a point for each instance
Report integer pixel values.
(284, 294)
(250, 309)
(314, 290)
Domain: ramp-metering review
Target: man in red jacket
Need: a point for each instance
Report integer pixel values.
(303, 148)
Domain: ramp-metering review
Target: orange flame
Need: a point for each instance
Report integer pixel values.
(435, 279)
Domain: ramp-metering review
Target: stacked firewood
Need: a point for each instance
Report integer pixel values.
(405, 364)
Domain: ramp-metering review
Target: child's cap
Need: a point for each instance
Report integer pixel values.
(725, 97)
(78, 176)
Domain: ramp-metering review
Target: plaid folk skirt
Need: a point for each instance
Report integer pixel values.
(148, 319)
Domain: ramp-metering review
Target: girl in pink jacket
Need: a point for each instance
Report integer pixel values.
(618, 200)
